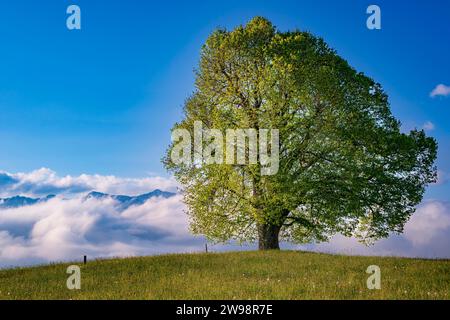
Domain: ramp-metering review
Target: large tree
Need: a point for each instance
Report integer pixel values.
(345, 166)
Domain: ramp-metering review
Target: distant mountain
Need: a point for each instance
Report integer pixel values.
(19, 201)
(128, 201)
(123, 201)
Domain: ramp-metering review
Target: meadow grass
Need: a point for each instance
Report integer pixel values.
(234, 275)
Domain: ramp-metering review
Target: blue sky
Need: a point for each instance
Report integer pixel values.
(102, 99)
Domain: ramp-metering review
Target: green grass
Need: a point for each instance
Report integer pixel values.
(234, 275)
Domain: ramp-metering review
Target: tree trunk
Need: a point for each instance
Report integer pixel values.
(268, 237)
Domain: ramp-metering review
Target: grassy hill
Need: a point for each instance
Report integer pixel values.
(235, 275)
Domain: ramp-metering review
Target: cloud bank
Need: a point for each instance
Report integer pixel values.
(62, 229)
(66, 228)
(426, 235)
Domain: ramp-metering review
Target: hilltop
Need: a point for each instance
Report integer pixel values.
(234, 275)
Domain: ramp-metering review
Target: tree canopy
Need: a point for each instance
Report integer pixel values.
(345, 166)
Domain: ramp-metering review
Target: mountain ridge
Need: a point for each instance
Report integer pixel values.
(123, 200)
(128, 201)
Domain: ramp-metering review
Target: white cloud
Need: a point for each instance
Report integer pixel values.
(430, 220)
(45, 181)
(66, 229)
(61, 230)
(440, 90)
(426, 234)
(428, 126)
